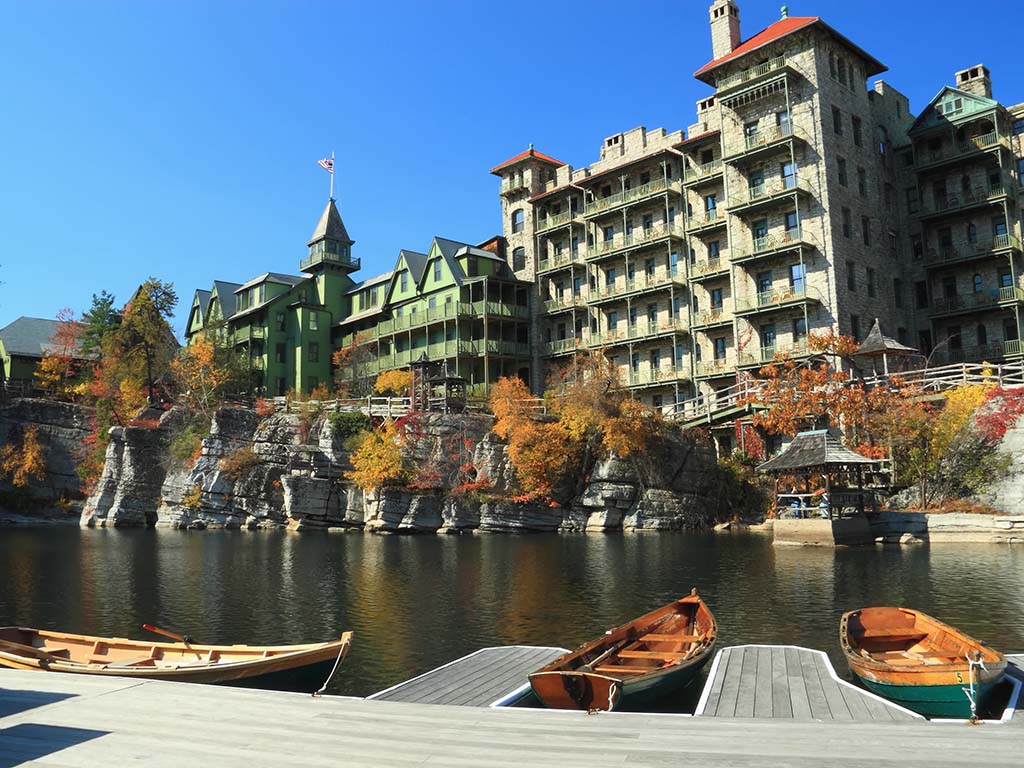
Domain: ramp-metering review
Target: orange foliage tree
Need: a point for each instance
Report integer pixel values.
(199, 375)
(376, 457)
(393, 383)
(59, 365)
(351, 366)
(23, 457)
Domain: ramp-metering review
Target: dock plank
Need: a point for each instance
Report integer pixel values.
(781, 696)
(800, 704)
(763, 697)
(715, 685)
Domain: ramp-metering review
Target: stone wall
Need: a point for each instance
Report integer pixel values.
(279, 480)
(919, 527)
(62, 428)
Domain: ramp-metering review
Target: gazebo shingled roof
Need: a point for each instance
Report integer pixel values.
(876, 343)
(810, 450)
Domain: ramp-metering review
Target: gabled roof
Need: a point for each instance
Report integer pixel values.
(203, 297)
(416, 262)
(530, 154)
(330, 225)
(371, 281)
(876, 343)
(28, 336)
(930, 118)
(226, 297)
(273, 277)
(780, 29)
(819, 448)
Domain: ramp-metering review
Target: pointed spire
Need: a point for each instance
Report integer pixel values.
(330, 226)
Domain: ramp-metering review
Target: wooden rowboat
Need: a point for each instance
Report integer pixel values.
(917, 661)
(291, 667)
(638, 662)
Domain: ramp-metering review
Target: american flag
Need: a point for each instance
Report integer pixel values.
(327, 164)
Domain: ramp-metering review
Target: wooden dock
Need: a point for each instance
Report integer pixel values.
(490, 677)
(788, 682)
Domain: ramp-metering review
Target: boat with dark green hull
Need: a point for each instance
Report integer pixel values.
(918, 662)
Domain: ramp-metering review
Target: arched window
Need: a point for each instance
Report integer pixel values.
(518, 220)
(519, 259)
(977, 283)
(982, 335)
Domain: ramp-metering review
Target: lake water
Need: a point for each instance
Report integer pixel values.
(416, 602)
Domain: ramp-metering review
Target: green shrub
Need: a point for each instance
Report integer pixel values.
(187, 443)
(348, 424)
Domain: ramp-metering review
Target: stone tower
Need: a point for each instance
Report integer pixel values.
(725, 27)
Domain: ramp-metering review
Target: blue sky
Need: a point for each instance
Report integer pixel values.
(180, 139)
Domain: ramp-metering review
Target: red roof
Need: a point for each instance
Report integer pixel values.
(770, 34)
(530, 153)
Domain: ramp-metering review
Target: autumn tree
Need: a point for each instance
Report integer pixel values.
(59, 364)
(393, 383)
(201, 379)
(23, 457)
(351, 366)
(144, 338)
(376, 457)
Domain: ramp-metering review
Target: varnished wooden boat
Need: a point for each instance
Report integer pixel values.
(638, 662)
(917, 661)
(291, 667)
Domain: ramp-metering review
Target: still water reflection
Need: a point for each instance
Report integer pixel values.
(417, 602)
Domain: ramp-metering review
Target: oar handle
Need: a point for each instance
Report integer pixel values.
(167, 633)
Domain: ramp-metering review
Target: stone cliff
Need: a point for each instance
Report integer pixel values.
(254, 473)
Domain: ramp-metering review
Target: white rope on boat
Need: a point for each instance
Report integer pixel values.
(337, 663)
(977, 661)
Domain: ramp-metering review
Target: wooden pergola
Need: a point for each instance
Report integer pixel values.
(818, 458)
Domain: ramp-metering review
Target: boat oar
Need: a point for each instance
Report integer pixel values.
(173, 635)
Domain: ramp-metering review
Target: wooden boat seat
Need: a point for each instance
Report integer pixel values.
(905, 633)
(656, 638)
(666, 655)
(612, 670)
(131, 662)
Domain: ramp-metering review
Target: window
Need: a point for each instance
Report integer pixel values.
(574, 246)
(865, 228)
(764, 282)
(858, 133)
(977, 283)
(645, 178)
(648, 224)
(720, 348)
(756, 183)
(398, 311)
(314, 321)
(280, 321)
(577, 286)
(953, 336)
(792, 224)
(314, 352)
(797, 276)
(949, 286)
(897, 292)
(1018, 127)
(921, 294)
(696, 352)
(782, 120)
(841, 163)
(609, 277)
(632, 317)
(999, 226)
(768, 336)
(799, 329)
(710, 205)
(832, 67)
(851, 276)
(750, 130)
(472, 266)
(613, 321)
(279, 353)
(696, 303)
(673, 263)
(788, 173)
(652, 314)
(982, 333)
(855, 326)
(679, 356)
(634, 363)
(912, 199)
(654, 359)
(649, 269)
(716, 298)
(373, 296)
(862, 182)
(759, 231)
(1010, 330)
(917, 246)
(403, 280)
(837, 121)
(518, 220)
(714, 250)
(871, 281)
(1005, 278)
(609, 234)
(847, 222)
(518, 259)
(432, 302)
(437, 271)
(842, 72)
(671, 216)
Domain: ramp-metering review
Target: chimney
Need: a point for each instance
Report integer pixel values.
(975, 80)
(725, 28)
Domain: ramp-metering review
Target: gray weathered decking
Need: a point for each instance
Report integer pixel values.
(480, 679)
(69, 721)
(790, 683)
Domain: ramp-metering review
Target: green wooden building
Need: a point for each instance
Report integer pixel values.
(457, 303)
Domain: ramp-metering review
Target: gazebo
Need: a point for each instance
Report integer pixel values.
(878, 345)
(830, 477)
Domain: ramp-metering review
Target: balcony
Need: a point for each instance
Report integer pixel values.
(656, 377)
(759, 195)
(976, 353)
(559, 261)
(565, 346)
(248, 333)
(632, 333)
(699, 174)
(638, 284)
(769, 352)
(709, 269)
(762, 141)
(499, 309)
(712, 368)
(558, 220)
(749, 77)
(628, 196)
(564, 304)
(976, 198)
(952, 153)
(711, 317)
(638, 239)
(336, 259)
(706, 220)
(980, 301)
(501, 347)
(776, 298)
(512, 185)
(963, 251)
(769, 246)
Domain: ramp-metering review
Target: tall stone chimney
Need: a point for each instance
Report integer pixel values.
(725, 27)
(975, 80)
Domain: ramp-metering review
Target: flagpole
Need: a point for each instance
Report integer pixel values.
(332, 174)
